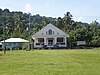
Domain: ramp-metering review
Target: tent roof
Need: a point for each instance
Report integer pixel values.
(15, 40)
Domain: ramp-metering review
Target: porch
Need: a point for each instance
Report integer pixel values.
(52, 42)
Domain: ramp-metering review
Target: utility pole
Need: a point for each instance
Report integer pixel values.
(4, 36)
(29, 32)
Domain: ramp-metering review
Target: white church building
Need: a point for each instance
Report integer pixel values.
(50, 36)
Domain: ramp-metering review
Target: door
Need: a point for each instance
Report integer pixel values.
(50, 41)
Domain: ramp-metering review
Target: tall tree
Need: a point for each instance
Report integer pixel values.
(67, 21)
(59, 22)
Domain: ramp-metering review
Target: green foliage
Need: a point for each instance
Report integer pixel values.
(16, 24)
(95, 40)
(24, 46)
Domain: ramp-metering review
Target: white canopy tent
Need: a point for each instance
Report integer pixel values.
(15, 40)
(13, 43)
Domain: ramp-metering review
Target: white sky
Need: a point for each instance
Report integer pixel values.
(82, 10)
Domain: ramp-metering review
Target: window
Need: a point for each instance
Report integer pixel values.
(46, 32)
(53, 32)
(50, 32)
(40, 40)
(61, 39)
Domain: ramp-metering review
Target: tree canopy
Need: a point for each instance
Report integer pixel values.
(16, 24)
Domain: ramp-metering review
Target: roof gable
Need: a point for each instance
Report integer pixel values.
(56, 31)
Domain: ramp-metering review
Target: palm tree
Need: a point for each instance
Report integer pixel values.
(9, 25)
(67, 21)
(19, 24)
(59, 22)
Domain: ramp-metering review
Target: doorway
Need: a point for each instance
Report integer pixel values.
(50, 41)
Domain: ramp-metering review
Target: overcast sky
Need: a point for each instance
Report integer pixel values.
(82, 10)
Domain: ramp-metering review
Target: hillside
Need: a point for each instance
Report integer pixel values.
(16, 24)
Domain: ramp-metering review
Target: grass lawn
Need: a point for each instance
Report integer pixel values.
(50, 62)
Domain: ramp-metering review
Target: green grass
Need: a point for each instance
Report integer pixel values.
(50, 62)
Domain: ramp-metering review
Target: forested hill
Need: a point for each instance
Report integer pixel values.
(16, 24)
